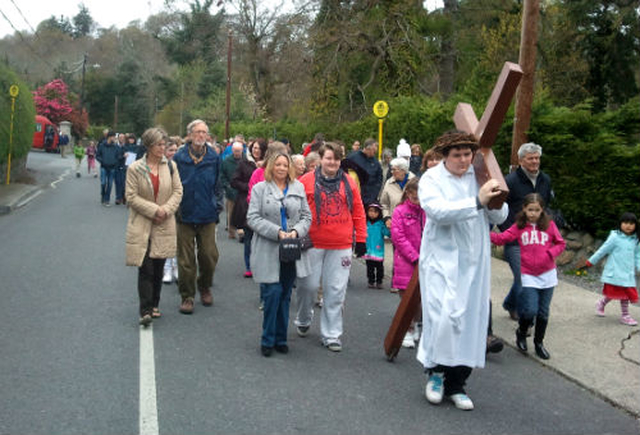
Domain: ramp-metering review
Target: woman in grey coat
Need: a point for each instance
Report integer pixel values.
(278, 210)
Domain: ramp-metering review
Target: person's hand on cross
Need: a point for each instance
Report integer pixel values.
(489, 190)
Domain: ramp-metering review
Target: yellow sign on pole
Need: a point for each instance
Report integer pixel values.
(13, 92)
(380, 109)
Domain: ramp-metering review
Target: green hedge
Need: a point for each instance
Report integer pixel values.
(24, 116)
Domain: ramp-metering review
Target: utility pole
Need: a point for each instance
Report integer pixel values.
(527, 61)
(115, 114)
(226, 124)
(181, 108)
(84, 70)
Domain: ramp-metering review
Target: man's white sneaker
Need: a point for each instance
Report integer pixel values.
(435, 388)
(408, 342)
(167, 277)
(462, 401)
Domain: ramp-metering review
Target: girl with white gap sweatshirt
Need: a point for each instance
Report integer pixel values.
(540, 243)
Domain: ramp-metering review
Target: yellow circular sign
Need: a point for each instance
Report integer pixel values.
(380, 109)
(14, 90)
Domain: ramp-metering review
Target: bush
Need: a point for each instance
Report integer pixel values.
(23, 120)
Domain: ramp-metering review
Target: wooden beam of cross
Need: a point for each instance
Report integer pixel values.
(484, 162)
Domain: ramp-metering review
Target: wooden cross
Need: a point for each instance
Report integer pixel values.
(484, 162)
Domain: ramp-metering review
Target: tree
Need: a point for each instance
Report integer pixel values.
(52, 101)
(24, 116)
(83, 24)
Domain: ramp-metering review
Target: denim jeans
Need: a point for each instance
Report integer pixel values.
(535, 302)
(277, 299)
(120, 178)
(107, 176)
(248, 235)
(512, 255)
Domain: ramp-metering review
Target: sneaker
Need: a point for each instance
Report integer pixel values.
(303, 331)
(206, 297)
(600, 308)
(462, 401)
(106, 204)
(435, 388)
(371, 285)
(408, 342)
(393, 290)
(166, 278)
(186, 307)
(379, 285)
(334, 346)
(146, 320)
(628, 320)
(248, 274)
(281, 348)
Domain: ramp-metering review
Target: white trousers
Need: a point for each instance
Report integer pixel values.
(330, 267)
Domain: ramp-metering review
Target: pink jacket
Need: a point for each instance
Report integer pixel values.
(407, 224)
(256, 177)
(538, 249)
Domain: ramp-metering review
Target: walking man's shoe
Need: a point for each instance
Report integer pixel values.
(186, 307)
(206, 297)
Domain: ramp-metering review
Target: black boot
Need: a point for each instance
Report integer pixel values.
(521, 334)
(538, 337)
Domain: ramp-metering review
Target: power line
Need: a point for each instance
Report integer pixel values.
(24, 41)
(23, 17)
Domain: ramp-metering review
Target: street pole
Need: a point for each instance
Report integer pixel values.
(115, 114)
(181, 108)
(228, 109)
(84, 70)
(527, 61)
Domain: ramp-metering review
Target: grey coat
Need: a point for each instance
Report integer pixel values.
(264, 219)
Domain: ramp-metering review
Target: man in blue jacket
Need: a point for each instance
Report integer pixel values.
(199, 167)
(366, 159)
(109, 155)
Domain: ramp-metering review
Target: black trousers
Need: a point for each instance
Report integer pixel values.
(150, 283)
(375, 271)
(454, 378)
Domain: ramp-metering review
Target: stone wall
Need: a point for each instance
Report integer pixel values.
(580, 246)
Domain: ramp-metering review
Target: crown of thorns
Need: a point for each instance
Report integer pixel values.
(455, 140)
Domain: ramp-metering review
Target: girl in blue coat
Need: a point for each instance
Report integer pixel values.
(623, 249)
(376, 232)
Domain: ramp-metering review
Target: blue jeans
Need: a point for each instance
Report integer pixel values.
(535, 302)
(107, 176)
(277, 298)
(512, 255)
(121, 174)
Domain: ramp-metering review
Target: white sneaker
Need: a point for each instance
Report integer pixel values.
(408, 342)
(462, 401)
(435, 388)
(166, 278)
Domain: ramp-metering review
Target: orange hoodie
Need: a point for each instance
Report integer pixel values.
(334, 229)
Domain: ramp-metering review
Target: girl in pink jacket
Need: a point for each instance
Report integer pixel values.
(540, 243)
(407, 223)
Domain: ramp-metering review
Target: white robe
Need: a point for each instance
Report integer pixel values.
(455, 269)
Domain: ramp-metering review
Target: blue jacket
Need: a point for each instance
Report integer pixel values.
(623, 260)
(202, 193)
(520, 186)
(109, 155)
(371, 166)
(375, 240)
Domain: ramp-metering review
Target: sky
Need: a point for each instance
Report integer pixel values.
(27, 14)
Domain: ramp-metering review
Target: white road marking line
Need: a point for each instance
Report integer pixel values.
(148, 424)
(60, 178)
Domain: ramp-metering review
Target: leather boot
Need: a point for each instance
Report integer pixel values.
(521, 334)
(538, 337)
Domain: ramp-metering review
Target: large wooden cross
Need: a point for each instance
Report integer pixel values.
(486, 130)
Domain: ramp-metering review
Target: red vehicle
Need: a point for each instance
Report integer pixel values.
(46, 135)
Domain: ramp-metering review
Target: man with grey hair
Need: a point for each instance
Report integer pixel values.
(367, 161)
(199, 167)
(229, 165)
(526, 179)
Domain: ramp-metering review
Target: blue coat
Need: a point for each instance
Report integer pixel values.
(623, 260)
(202, 193)
(375, 240)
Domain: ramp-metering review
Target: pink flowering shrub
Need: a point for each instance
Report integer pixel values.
(52, 101)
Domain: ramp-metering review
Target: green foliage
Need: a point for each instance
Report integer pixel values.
(24, 116)
(593, 160)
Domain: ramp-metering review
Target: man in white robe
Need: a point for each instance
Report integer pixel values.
(455, 269)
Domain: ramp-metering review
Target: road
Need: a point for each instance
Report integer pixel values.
(70, 347)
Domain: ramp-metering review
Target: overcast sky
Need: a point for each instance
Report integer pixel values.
(25, 13)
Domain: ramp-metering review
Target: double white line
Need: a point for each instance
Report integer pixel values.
(148, 424)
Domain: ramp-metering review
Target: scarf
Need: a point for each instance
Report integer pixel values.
(197, 158)
(331, 186)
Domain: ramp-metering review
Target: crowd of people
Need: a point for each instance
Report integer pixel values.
(303, 217)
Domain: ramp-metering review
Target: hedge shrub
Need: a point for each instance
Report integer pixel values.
(24, 116)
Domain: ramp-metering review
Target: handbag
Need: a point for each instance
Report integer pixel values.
(305, 243)
(290, 250)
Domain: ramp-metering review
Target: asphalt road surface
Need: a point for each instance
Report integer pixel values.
(71, 350)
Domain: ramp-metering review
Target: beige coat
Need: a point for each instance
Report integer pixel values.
(141, 231)
(391, 195)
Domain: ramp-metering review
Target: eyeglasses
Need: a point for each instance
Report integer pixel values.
(200, 132)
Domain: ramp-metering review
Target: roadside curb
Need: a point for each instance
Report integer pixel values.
(15, 196)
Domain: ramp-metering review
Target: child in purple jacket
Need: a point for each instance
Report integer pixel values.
(407, 223)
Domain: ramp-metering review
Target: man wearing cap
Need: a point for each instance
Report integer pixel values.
(109, 155)
(455, 269)
(367, 161)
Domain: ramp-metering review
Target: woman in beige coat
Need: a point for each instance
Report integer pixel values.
(153, 195)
